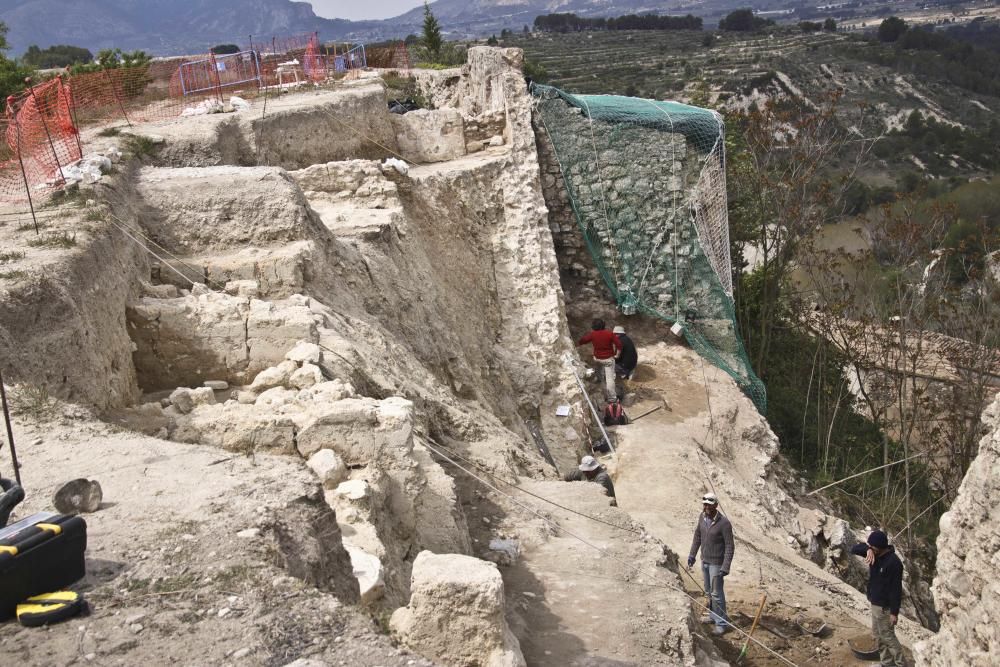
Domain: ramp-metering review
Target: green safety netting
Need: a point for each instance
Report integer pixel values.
(646, 180)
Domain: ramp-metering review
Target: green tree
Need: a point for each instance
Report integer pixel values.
(891, 29)
(830, 25)
(223, 49)
(492, 41)
(432, 40)
(12, 73)
(743, 20)
(61, 55)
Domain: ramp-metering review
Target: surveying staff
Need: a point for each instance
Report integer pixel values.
(714, 535)
(606, 348)
(885, 592)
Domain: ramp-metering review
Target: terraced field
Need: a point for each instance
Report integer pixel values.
(738, 69)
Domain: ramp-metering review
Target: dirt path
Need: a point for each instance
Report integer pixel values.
(574, 607)
(667, 460)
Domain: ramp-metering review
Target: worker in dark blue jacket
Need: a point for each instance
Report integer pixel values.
(885, 593)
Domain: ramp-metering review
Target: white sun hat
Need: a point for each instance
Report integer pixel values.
(589, 464)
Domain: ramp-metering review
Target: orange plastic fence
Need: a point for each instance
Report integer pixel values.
(42, 124)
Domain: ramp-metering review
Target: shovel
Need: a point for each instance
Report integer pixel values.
(756, 619)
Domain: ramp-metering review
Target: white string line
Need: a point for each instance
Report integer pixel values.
(172, 255)
(533, 495)
(604, 552)
(140, 244)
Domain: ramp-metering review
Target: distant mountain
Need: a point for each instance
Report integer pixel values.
(161, 27)
(165, 27)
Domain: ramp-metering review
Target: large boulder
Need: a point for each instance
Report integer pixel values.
(456, 613)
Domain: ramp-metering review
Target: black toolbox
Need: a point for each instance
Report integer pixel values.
(40, 554)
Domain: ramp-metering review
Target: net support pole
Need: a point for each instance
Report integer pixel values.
(114, 91)
(593, 410)
(218, 78)
(20, 160)
(10, 432)
(45, 126)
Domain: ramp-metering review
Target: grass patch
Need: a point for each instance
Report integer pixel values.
(8, 256)
(60, 240)
(13, 275)
(32, 401)
(29, 227)
(141, 146)
(175, 584)
(234, 576)
(109, 132)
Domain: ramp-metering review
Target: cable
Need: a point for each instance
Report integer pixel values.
(180, 261)
(600, 550)
(546, 500)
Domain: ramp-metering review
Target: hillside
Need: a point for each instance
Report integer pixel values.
(737, 68)
(157, 26)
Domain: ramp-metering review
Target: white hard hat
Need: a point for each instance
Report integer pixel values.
(709, 499)
(589, 464)
(618, 329)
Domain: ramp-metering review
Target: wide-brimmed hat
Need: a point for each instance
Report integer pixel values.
(589, 464)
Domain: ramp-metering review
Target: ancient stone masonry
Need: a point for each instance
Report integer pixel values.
(966, 589)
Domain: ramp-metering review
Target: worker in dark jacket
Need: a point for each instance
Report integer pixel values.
(885, 593)
(592, 471)
(714, 535)
(606, 348)
(628, 358)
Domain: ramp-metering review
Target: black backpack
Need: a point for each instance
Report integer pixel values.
(614, 415)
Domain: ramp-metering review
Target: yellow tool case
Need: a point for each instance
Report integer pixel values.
(41, 553)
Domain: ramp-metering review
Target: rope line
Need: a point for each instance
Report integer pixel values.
(180, 261)
(602, 551)
(533, 495)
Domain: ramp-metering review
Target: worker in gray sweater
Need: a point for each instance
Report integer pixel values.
(714, 535)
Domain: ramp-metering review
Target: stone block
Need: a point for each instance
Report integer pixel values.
(456, 613)
(328, 467)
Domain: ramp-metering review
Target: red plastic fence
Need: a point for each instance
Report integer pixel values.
(41, 136)
(42, 125)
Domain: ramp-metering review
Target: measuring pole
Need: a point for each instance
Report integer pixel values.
(10, 432)
(593, 410)
(45, 125)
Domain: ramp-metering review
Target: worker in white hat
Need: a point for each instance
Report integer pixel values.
(714, 536)
(591, 471)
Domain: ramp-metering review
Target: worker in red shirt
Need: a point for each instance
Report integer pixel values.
(606, 348)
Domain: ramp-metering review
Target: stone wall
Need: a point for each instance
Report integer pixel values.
(631, 186)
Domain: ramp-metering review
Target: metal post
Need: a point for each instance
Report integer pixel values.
(45, 125)
(218, 79)
(72, 113)
(114, 91)
(20, 159)
(10, 433)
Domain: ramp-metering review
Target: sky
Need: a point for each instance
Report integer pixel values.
(355, 11)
